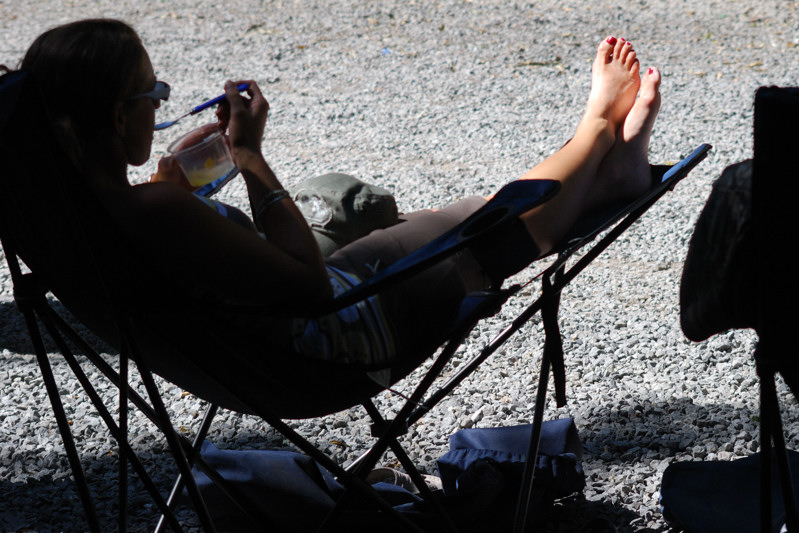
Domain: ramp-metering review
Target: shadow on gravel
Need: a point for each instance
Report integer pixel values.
(43, 504)
(622, 442)
(652, 430)
(31, 506)
(575, 515)
(14, 334)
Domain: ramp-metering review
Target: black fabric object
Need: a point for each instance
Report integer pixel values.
(774, 191)
(283, 491)
(714, 496)
(718, 289)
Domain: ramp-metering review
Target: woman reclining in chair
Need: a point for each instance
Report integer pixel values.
(102, 93)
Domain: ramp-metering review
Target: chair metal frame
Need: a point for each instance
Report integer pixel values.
(31, 295)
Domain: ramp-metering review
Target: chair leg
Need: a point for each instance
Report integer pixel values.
(122, 516)
(199, 438)
(551, 359)
(127, 455)
(771, 434)
(526, 492)
(29, 295)
(62, 422)
(178, 453)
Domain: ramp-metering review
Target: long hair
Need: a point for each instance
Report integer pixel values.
(83, 69)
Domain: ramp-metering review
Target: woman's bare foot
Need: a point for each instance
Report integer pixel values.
(626, 166)
(614, 84)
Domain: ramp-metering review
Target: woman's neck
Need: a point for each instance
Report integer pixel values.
(105, 165)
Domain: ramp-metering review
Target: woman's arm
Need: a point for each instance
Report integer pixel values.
(189, 241)
(273, 212)
(285, 273)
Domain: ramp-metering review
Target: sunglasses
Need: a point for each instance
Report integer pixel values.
(159, 93)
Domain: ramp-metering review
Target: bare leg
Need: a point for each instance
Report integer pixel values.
(615, 83)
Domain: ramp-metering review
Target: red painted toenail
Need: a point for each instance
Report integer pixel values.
(650, 71)
(611, 40)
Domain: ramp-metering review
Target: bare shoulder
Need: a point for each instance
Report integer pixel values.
(197, 244)
(159, 197)
(153, 206)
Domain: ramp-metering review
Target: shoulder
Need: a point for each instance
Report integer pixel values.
(160, 196)
(157, 203)
(163, 213)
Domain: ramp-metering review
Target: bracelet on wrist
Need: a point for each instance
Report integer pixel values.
(269, 200)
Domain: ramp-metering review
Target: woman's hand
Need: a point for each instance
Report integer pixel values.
(168, 167)
(169, 170)
(244, 119)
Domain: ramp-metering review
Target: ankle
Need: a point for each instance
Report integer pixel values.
(599, 132)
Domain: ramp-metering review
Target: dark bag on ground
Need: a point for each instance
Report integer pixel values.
(717, 290)
(713, 496)
(482, 473)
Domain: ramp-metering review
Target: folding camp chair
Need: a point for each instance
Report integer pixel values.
(749, 282)
(107, 285)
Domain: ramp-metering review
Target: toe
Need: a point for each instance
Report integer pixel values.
(625, 50)
(605, 48)
(619, 48)
(652, 76)
(650, 84)
(631, 60)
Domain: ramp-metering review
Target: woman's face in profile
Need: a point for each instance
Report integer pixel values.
(139, 118)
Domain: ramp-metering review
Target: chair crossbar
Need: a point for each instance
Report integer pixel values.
(393, 428)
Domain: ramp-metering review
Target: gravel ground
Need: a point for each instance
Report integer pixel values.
(435, 101)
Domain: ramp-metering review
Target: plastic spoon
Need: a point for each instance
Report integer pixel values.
(195, 110)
